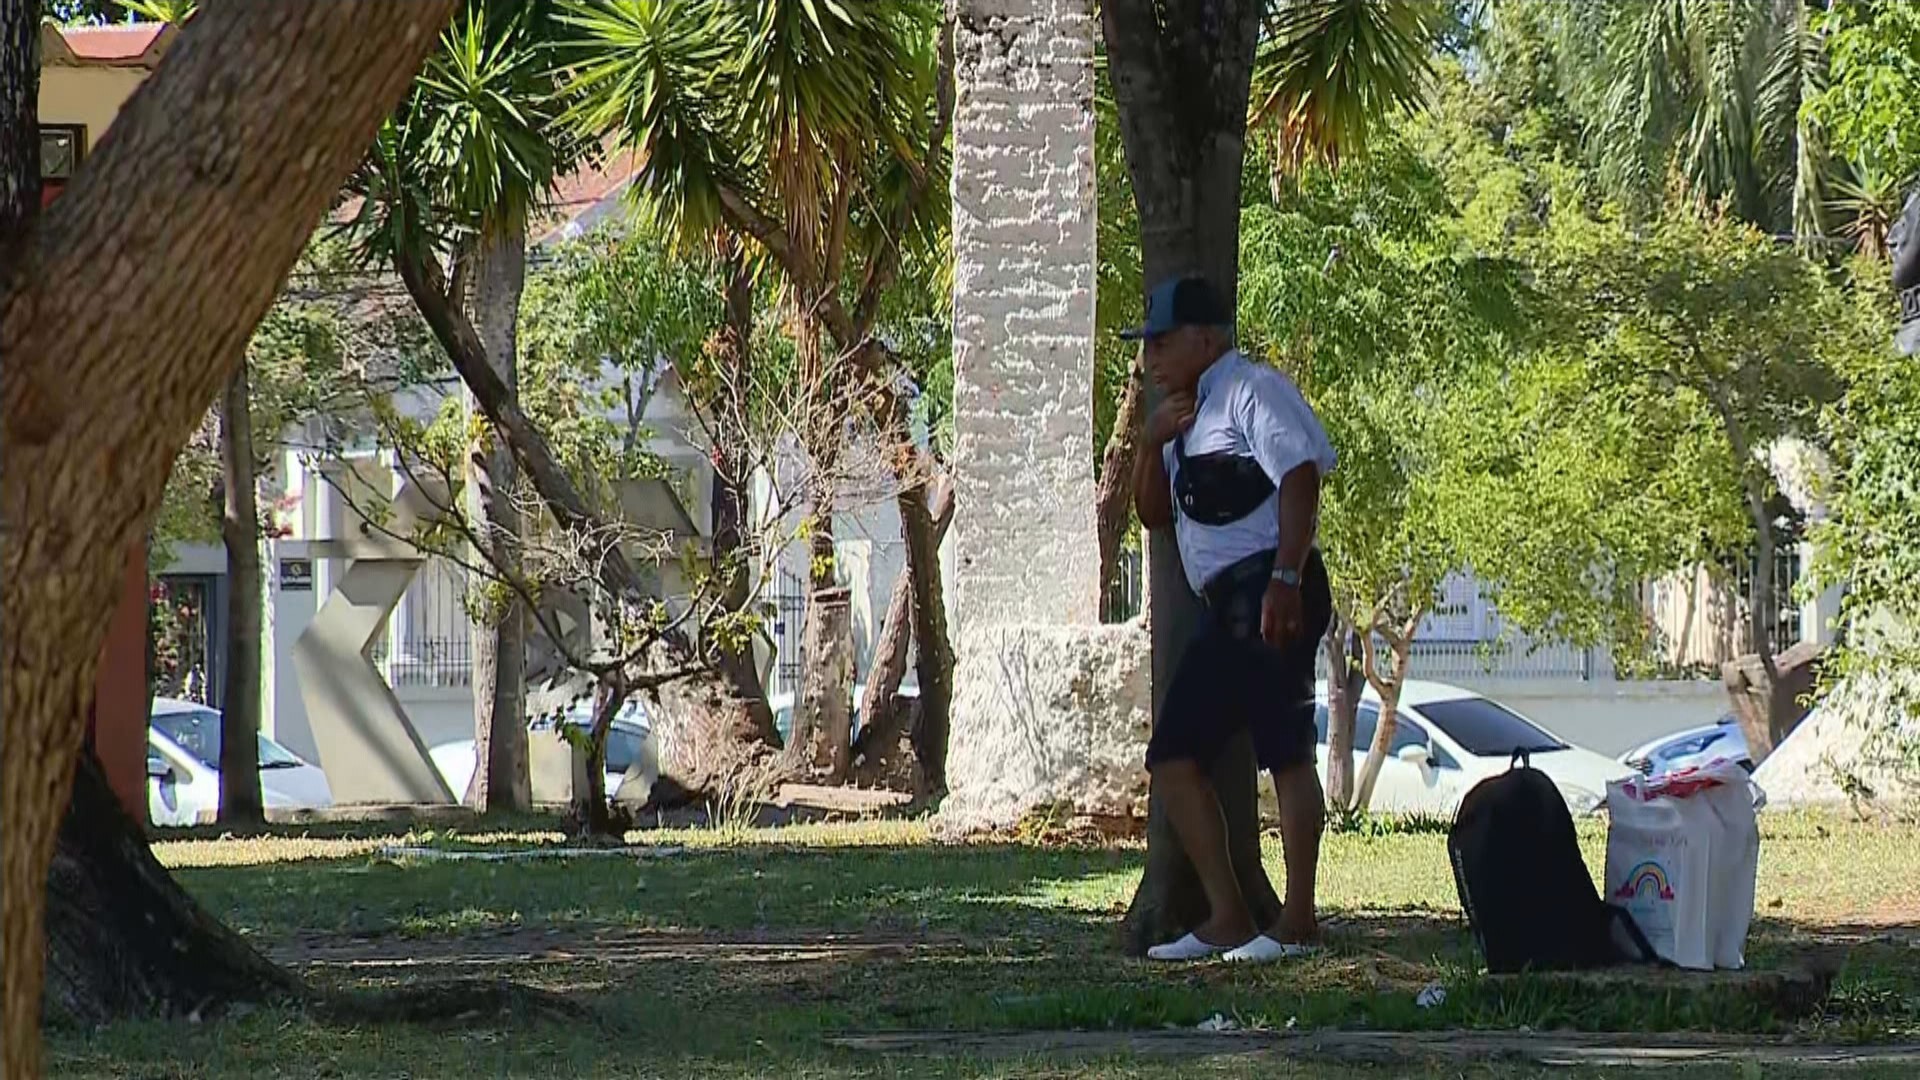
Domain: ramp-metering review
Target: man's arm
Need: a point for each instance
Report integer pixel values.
(1152, 492)
(1299, 512)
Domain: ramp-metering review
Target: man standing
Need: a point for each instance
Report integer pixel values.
(1237, 473)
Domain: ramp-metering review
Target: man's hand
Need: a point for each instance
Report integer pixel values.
(1173, 416)
(1280, 617)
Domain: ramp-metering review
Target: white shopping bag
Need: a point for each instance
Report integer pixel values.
(1682, 853)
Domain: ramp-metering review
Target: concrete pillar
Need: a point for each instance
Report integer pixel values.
(1024, 269)
(1049, 706)
(397, 623)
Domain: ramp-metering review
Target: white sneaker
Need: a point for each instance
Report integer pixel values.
(1187, 949)
(1265, 950)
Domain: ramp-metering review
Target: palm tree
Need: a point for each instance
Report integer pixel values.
(817, 132)
(1708, 90)
(455, 175)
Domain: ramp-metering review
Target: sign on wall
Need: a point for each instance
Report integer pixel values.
(296, 575)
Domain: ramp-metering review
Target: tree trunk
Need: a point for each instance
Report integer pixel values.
(19, 124)
(591, 812)
(1753, 487)
(1181, 84)
(822, 718)
(711, 728)
(822, 737)
(240, 799)
(1388, 687)
(214, 176)
(1346, 682)
(1114, 500)
(124, 940)
(877, 751)
(754, 728)
(1760, 600)
(933, 654)
(689, 709)
(501, 781)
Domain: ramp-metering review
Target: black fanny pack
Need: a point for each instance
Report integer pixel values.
(1218, 488)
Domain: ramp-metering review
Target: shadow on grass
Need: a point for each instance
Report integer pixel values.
(977, 890)
(1002, 950)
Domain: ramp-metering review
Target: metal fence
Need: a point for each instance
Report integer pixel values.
(1442, 660)
(436, 661)
(789, 630)
(1131, 595)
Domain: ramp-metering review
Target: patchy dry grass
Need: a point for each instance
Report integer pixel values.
(740, 953)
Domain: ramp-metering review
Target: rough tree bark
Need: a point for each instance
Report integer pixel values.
(501, 781)
(124, 939)
(19, 122)
(750, 730)
(933, 654)
(1181, 70)
(240, 799)
(1346, 682)
(1113, 501)
(821, 741)
(209, 183)
(877, 750)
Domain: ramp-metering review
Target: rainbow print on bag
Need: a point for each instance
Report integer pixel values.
(1646, 879)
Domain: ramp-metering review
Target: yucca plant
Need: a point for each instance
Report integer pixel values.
(1329, 71)
(816, 130)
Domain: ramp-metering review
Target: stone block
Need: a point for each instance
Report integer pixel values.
(556, 768)
(1048, 716)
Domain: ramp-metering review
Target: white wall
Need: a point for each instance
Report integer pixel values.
(1608, 717)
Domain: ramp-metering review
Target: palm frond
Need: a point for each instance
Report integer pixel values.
(653, 78)
(1868, 200)
(1328, 71)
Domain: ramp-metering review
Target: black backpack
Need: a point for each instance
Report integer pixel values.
(1524, 887)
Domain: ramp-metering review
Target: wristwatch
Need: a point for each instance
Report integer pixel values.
(1287, 575)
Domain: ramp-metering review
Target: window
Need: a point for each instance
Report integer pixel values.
(623, 747)
(61, 148)
(1364, 721)
(197, 731)
(1406, 732)
(1486, 729)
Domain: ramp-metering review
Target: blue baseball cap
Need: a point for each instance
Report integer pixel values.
(1182, 301)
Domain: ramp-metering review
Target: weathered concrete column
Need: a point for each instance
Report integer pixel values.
(1048, 705)
(1024, 276)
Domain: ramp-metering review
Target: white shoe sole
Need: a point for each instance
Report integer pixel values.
(1187, 950)
(1265, 950)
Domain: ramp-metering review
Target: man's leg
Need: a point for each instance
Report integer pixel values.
(1201, 825)
(1302, 817)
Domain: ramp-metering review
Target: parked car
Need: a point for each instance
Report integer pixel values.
(1448, 739)
(782, 706)
(1690, 748)
(627, 740)
(183, 768)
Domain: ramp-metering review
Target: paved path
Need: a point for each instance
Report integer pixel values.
(1372, 1047)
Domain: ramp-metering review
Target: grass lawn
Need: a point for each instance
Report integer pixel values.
(742, 953)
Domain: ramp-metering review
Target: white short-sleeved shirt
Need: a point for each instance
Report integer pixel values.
(1249, 410)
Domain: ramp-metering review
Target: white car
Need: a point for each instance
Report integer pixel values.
(183, 768)
(628, 739)
(1447, 740)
